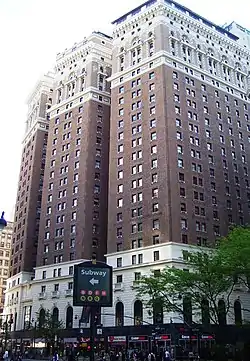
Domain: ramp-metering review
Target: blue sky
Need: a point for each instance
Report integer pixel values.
(33, 32)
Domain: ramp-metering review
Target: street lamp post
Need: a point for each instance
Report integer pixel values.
(34, 335)
(3, 222)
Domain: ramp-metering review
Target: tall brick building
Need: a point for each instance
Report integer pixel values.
(29, 193)
(74, 218)
(179, 144)
(180, 129)
(169, 130)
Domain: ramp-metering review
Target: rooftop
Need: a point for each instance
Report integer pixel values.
(180, 8)
(230, 26)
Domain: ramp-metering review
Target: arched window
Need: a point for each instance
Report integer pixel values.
(55, 315)
(187, 310)
(135, 41)
(205, 317)
(41, 318)
(157, 313)
(69, 317)
(222, 318)
(237, 313)
(138, 313)
(71, 76)
(185, 39)
(119, 314)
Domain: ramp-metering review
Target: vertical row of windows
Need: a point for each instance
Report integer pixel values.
(136, 161)
(229, 136)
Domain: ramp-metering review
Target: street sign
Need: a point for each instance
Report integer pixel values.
(93, 284)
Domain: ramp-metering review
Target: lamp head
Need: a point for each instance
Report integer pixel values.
(3, 222)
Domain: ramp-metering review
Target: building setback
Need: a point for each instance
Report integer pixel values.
(74, 207)
(29, 193)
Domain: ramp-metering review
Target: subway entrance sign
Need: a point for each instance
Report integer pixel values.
(93, 284)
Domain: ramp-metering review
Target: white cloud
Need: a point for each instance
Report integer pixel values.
(33, 32)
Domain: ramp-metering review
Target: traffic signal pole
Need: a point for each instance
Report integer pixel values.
(92, 333)
(93, 288)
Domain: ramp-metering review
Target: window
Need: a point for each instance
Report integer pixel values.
(154, 192)
(119, 262)
(120, 174)
(179, 149)
(178, 122)
(120, 188)
(156, 239)
(155, 207)
(120, 148)
(183, 224)
(154, 163)
(179, 135)
(182, 192)
(183, 207)
(156, 224)
(56, 287)
(119, 279)
(154, 178)
(137, 276)
(156, 255)
(140, 258)
(153, 136)
(180, 163)
(154, 149)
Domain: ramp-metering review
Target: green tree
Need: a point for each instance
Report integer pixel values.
(203, 285)
(48, 327)
(235, 250)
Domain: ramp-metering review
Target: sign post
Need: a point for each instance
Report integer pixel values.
(93, 287)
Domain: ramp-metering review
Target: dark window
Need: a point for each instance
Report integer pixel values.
(55, 315)
(138, 313)
(119, 314)
(187, 310)
(222, 313)
(205, 312)
(237, 313)
(69, 317)
(41, 318)
(157, 313)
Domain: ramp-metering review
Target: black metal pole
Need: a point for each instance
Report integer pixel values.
(34, 338)
(6, 333)
(92, 333)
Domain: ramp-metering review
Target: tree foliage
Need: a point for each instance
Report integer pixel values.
(48, 327)
(207, 276)
(235, 250)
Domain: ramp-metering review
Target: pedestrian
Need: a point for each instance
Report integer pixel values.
(6, 355)
(167, 355)
(56, 356)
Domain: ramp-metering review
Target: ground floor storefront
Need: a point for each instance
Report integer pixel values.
(178, 339)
